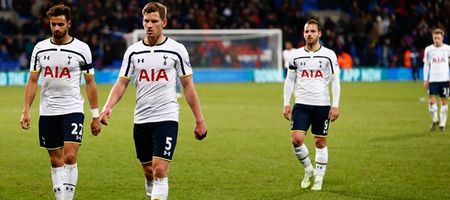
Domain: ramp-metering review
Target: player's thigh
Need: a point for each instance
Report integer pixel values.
(320, 121)
(165, 140)
(142, 135)
(444, 89)
(157, 139)
(434, 89)
(301, 117)
(72, 125)
(50, 132)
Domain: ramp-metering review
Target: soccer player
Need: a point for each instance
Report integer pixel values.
(311, 69)
(436, 77)
(154, 63)
(61, 60)
(286, 55)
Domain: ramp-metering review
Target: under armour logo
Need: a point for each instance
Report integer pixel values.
(69, 57)
(140, 60)
(302, 63)
(46, 57)
(167, 153)
(165, 59)
(78, 137)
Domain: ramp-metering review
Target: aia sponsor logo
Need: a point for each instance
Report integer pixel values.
(57, 72)
(152, 75)
(438, 60)
(311, 74)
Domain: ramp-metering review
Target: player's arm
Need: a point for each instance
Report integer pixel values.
(30, 93)
(193, 101)
(91, 91)
(426, 69)
(114, 97)
(336, 92)
(287, 92)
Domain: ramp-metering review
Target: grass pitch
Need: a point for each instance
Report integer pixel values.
(380, 148)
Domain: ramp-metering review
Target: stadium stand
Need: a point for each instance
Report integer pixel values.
(374, 32)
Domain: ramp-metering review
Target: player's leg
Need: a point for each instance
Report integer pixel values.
(73, 133)
(160, 179)
(299, 125)
(164, 142)
(433, 91)
(443, 113)
(142, 135)
(443, 94)
(155, 144)
(320, 124)
(50, 137)
(148, 173)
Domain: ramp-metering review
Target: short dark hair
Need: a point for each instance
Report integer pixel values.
(58, 10)
(314, 21)
(438, 30)
(155, 7)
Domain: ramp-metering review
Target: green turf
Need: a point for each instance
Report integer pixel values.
(380, 148)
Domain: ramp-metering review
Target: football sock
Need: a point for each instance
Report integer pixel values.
(433, 112)
(321, 161)
(443, 116)
(149, 188)
(302, 154)
(57, 180)
(160, 189)
(70, 180)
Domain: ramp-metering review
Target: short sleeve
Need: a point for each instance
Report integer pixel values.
(291, 63)
(183, 67)
(86, 65)
(35, 65)
(334, 64)
(127, 68)
(425, 55)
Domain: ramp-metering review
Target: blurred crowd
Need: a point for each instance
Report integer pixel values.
(383, 33)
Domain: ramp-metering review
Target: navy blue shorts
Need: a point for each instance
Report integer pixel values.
(440, 89)
(155, 139)
(55, 130)
(304, 116)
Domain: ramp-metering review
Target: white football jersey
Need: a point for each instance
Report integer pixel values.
(286, 56)
(61, 69)
(436, 63)
(155, 70)
(314, 70)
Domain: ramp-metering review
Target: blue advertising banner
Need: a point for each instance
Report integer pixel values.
(241, 75)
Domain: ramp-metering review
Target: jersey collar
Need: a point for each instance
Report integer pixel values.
(315, 50)
(156, 44)
(73, 38)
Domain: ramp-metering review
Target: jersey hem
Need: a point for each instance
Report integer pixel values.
(56, 114)
(162, 158)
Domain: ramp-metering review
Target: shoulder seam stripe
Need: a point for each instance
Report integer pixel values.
(156, 51)
(331, 63)
(35, 60)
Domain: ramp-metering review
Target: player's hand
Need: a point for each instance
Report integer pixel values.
(426, 84)
(334, 114)
(25, 121)
(105, 116)
(96, 127)
(200, 130)
(287, 112)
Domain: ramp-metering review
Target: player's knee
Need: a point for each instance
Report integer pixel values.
(320, 142)
(70, 158)
(148, 170)
(56, 161)
(159, 170)
(297, 139)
